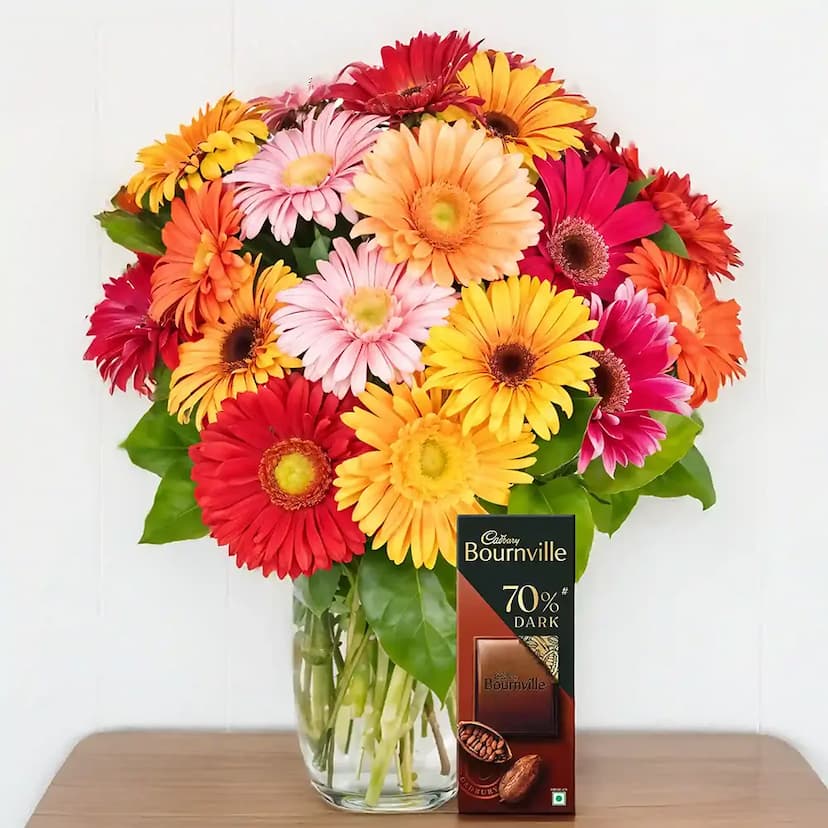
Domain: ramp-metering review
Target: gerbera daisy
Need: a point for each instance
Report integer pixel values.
(509, 354)
(617, 155)
(447, 201)
(587, 235)
(215, 141)
(630, 381)
(238, 353)
(696, 219)
(424, 469)
(127, 340)
(264, 472)
(359, 313)
(707, 330)
(303, 172)
(415, 77)
(201, 269)
(523, 107)
(292, 107)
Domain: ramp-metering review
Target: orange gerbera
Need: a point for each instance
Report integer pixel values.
(216, 140)
(201, 269)
(446, 201)
(707, 329)
(696, 219)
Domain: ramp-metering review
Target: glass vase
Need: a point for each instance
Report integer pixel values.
(373, 738)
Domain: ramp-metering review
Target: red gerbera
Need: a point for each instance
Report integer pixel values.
(694, 217)
(127, 341)
(415, 77)
(264, 478)
(617, 155)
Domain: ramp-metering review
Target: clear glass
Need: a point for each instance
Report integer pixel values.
(373, 738)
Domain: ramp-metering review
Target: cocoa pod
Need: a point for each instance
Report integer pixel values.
(516, 783)
(482, 742)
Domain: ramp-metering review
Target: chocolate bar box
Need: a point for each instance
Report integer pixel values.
(515, 664)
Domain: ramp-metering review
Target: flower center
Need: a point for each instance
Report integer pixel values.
(308, 171)
(444, 215)
(611, 382)
(512, 364)
(412, 90)
(204, 253)
(240, 344)
(295, 473)
(687, 304)
(433, 459)
(369, 308)
(579, 250)
(500, 125)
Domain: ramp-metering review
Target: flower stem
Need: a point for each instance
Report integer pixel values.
(394, 715)
(431, 718)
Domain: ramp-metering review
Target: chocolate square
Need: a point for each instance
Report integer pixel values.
(514, 691)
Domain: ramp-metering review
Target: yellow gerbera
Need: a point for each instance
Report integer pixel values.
(217, 139)
(238, 353)
(448, 201)
(523, 107)
(423, 471)
(508, 355)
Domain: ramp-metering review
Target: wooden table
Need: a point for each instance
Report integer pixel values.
(235, 780)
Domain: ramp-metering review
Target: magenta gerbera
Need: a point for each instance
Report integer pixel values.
(415, 77)
(292, 107)
(360, 313)
(630, 381)
(587, 234)
(304, 172)
(127, 341)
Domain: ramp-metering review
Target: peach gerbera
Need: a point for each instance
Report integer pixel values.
(707, 329)
(201, 269)
(448, 201)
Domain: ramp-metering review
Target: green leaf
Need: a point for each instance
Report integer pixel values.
(689, 476)
(493, 508)
(317, 591)
(447, 573)
(611, 510)
(564, 446)
(634, 188)
(162, 376)
(561, 496)
(159, 441)
(174, 515)
(670, 241)
(307, 257)
(681, 432)
(131, 231)
(412, 617)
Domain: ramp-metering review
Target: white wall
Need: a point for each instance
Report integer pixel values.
(713, 621)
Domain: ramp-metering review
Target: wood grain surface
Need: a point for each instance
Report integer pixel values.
(234, 780)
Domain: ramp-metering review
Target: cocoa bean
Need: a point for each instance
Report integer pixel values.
(482, 742)
(516, 783)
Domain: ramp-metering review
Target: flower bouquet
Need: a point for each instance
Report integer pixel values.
(361, 308)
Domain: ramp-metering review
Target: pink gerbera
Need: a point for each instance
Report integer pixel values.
(588, 235)
(303, 172)
(415, 77)
(292, 107)
(359, 313)
(127, 341)
(630, 381)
